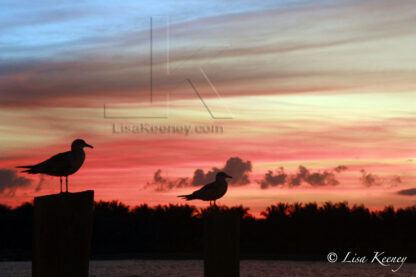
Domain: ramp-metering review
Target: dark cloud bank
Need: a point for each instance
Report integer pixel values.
(409, 192)
(303, 175)
(240, 169)
(10, 182)
(234, 166)
(370, 179)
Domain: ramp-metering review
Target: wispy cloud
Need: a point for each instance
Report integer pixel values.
(263, 52)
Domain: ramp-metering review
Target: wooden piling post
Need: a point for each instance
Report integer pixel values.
(62, 234)
(222, 244)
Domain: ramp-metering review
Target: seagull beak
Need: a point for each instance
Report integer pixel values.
(87, 145)
(228, 176)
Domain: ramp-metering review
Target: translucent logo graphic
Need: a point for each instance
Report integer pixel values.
(166, 77)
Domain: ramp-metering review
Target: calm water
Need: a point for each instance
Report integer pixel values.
(194, 268)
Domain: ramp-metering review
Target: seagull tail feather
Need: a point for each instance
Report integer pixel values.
(31, 169)
(187, 197)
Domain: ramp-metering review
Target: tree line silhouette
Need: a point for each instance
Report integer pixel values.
(285, 231)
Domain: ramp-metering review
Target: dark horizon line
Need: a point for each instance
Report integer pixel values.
(289, 205)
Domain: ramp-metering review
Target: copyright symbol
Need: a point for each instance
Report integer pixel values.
(332, 257)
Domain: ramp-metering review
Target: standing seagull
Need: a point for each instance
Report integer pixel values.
(62, 164)
(211, 191)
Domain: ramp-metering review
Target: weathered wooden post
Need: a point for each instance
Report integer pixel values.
(62, 234)
(222, 244)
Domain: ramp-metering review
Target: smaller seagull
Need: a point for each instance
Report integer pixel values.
(62, 164)
(211, 191)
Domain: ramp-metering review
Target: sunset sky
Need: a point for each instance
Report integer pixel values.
(298, 100)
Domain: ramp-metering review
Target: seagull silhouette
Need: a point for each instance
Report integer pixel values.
(62, 164)
(211, 191)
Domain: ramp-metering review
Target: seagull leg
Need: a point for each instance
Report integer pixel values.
(66, 182)
(210, 203)
(60, 178)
